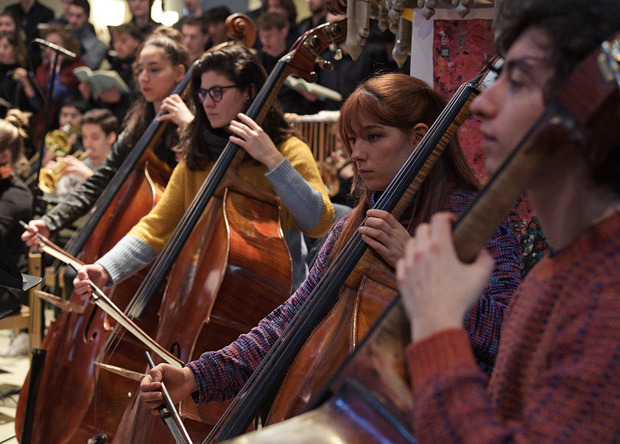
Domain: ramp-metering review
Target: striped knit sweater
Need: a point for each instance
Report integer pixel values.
(221, 374)
(557, 376)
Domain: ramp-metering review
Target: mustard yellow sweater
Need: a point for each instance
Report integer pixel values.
(155, 228)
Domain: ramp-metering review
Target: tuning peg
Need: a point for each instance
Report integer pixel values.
(337, 51)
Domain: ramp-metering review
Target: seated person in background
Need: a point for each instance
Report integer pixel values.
(66, 139)
(161, 64)
(65, 81)
(15, 205)
(192, 9)
(8, 23)
(195, 36)
(93, 49)
(272, 32)
(99, 130)
(141, 16)
(557, 375)
(348, 73)
(125, 43)
(287, 9)
(12, 56)
(30, 13)
(62, 19)
(216, 25)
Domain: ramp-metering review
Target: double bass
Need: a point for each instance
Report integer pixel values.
(75, 399)
(369, 399)
(228, 275)
(352, 273)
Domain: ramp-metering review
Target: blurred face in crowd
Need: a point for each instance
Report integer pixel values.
(97, 142)
(7, 23)
(194, 39)
(77, 17)
(139, 8)
(276, 6)
(7, 52)
(124, 44)
(192, 6)
(273, 40)
(56, 39)
(217, 32)
(69, 117)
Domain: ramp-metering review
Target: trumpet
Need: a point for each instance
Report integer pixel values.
(57, 140)
(48, 177)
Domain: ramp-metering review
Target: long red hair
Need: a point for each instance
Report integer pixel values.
(402, 101)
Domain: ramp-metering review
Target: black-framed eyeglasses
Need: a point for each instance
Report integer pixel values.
(215, 92)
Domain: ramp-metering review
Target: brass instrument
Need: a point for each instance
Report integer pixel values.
(57, 140)
(48, 177)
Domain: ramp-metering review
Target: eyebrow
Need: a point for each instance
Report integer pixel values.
(527, 64)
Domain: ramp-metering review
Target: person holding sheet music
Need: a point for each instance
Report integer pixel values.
(224, 84)
(557, 376)
(161, 64)
(379, 137)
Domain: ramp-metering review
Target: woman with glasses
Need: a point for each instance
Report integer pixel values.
(224, 84)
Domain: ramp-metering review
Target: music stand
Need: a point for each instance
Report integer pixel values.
(10, 276)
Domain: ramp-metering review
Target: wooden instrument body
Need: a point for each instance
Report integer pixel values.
(368, 401)
(74, 399)
(233, 271)
(377, 371)
(365, 295)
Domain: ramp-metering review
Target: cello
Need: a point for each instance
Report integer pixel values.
(369, 400)
(209, 283)
(74, 383)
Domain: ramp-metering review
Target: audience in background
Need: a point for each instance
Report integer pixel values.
(191, 9)
(141, 16)
(216, 25)
(65, 81)
(93, 49)
(99, 128)
(63, 18)
(272, 32)
(30, 13)
(12, 56)
(289, 11)
(9, 23)
(195, 36)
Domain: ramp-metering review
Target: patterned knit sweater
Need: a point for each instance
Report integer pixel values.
(221, 374)
(557, 375)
